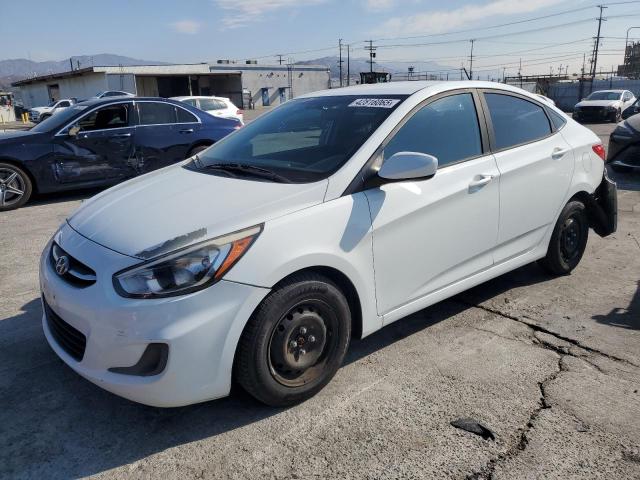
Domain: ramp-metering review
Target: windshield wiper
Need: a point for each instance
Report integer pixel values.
(250, 169)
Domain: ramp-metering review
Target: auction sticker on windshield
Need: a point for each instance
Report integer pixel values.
(374, 102)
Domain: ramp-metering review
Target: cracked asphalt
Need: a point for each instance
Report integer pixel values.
(550, 365)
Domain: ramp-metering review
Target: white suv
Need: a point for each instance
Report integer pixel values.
(216, 106)
(38, 114)
(332, 216)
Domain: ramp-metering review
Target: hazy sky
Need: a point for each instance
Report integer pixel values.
(205, 30)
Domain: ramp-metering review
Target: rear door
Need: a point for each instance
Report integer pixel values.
(164, 134)
(101, 151)
(536, 166)
(429, 234)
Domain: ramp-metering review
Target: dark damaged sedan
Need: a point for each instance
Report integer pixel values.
(624, 145)
(102, 142)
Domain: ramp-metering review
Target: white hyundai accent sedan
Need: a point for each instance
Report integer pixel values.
(328, 218)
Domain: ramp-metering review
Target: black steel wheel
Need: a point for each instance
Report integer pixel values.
(568, 240)
(295, 341)
(15, 187)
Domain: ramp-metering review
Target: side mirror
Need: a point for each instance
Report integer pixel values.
(73, 131)
(408, 165)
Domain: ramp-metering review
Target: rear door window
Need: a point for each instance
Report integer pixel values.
(155, 113)
(516, 121)
(185, 117)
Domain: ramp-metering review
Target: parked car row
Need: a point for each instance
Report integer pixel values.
(102, 142)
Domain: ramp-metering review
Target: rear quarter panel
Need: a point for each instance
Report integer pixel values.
(589, 167)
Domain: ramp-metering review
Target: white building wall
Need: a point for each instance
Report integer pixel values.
(123, 82)
(80, 87)
(273, 78)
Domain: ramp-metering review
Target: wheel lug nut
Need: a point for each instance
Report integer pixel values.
(303, 330)
(302, 352)
(293, 344)
(311, 339)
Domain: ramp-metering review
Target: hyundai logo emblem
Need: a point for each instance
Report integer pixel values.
(62, 265)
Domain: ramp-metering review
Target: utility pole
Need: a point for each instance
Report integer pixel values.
(348, 65)
(471, 61)
(372, 54)
(597, 45)
(340, 59)
(279, 59)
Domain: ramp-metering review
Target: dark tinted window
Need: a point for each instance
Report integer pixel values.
(306, 139)
(558, 120)
(154, 113)
(114, 94)
(447, 129)
(63, 104)
(184, 116)
(211, 104)
(516, 121)
(113, 116)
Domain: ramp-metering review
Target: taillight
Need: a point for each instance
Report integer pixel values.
(599, 150)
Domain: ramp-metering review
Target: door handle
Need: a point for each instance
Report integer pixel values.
(187, 130)
(479, 181)
(558, 153)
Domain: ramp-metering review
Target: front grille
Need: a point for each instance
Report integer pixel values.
(70, 340)
(592, 110)
(77, 273)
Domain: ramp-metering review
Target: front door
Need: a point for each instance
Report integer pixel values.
(536, 165)
(98, 148)
(429, 234)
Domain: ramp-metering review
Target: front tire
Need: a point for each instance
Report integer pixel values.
(568, 240)
(295, 341)
(616, 116)
(15, 187)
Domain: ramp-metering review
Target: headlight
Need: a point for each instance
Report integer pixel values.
(612, 108)
(186, 270)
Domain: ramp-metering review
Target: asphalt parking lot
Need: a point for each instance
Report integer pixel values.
(550, 365)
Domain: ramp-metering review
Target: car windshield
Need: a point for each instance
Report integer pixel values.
(604, 96)
(304, 140)
(59, 119)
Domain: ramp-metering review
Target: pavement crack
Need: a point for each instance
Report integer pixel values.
(488, 471)
(537, 328)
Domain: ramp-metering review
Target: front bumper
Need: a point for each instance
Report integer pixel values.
(200, 329)
(593, 114)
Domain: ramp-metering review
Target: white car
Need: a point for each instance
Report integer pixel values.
(216, 106)
(332, 216)
(546, 99)
(604, 105)
(38, 114)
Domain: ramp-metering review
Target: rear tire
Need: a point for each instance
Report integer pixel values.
(294, 342)
(196, 149)
(15, 187)
(568, 240)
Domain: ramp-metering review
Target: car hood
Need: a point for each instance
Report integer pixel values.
(176, 207)
(41, 109)
(15, 135)
(598, 103)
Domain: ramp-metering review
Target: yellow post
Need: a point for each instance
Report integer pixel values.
(25, 117)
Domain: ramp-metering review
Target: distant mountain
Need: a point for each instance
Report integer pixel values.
(399, 69)
(16, 69)
(358, 65)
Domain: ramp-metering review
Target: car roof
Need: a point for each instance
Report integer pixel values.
(612, 91)
(195, 97)
(411, 87)
(99, 101)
